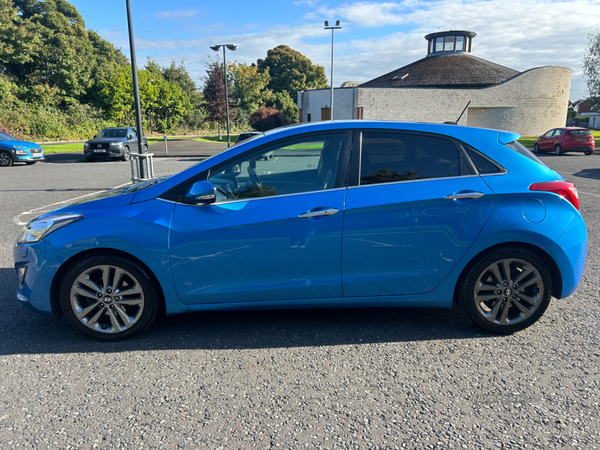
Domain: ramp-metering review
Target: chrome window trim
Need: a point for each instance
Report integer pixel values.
(415, 181)
(165, 200)
(262, 198)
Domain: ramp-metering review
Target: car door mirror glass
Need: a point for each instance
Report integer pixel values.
(129, 137)
(202, 192)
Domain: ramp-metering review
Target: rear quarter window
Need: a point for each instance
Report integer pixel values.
(520, 148)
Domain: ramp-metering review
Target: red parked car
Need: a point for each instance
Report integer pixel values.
(567, 139)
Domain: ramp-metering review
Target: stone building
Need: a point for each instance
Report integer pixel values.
(438, 87)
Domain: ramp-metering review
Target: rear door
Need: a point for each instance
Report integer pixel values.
(414, 210)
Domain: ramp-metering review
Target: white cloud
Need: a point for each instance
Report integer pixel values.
(176, 15)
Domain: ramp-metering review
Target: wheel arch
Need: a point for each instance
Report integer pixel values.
(557, 283)
(62, 270)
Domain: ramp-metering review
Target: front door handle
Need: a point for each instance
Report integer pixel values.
(321, 212)
(464, 195)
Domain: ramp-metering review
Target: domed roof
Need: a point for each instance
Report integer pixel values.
(448, 64)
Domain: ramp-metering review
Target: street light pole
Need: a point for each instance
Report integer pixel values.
(233, 48)
(136, 95)
(336, 27)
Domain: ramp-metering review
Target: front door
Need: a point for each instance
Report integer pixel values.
(415, 213)
(275, 232)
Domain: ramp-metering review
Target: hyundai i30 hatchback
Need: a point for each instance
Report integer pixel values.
(344, 214)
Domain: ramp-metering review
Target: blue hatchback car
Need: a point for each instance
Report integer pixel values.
(13, 150)
(342, 214)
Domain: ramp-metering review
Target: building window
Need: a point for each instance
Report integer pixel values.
(439, 44)
(449, 43)
(308, 117)
(460, 43)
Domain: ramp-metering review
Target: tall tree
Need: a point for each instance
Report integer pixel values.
(250, 91)
(48, 52)
(291, 71)
(591, 68)
(214, 93)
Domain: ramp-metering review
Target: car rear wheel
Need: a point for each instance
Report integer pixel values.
(558, 150)
(5, 159)
(536, 148)
(108, 297)
(589, 152)
(507, 290)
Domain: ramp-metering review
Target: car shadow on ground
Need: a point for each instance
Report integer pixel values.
(26, 332)
(589, 173)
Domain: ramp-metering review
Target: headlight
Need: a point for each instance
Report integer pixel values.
(21, 152)
(37, 229)
(116, 144)
(86, 145)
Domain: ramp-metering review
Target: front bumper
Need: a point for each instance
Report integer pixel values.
(30, 156)
(40, 261)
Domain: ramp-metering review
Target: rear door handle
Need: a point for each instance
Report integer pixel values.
(321, 212)
(464, 195)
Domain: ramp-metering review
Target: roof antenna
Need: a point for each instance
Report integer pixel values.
(461, 114)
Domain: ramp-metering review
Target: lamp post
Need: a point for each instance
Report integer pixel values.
(233, 48)
(136, 96)
(336, 27)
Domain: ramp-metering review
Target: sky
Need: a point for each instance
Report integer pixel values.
(376, 37)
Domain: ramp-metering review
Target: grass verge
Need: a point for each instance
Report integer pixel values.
(215, 139)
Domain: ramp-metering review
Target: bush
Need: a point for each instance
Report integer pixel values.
(267, 118)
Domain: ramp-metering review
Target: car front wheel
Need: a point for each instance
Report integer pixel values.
(507, 290)
(108, 297)
(558, 150)
(536, 148)
(5, 159)
(126, 152)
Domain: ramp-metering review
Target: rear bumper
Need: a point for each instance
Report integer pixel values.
(569, 253)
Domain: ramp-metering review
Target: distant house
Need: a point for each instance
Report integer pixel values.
(584, 107)
(438, 87)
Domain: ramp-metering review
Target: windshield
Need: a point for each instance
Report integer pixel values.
(7, 137)
(146, 184)
(112, 133)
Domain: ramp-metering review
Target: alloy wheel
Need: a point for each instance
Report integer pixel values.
(107, 299)
(508, 292)
(5, 159)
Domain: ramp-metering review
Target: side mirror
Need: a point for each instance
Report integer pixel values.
(95, 136)
(129, 137)
(202, 193)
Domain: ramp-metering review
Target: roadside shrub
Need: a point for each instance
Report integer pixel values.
(267, 118)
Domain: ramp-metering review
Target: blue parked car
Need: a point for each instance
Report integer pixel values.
(344, 214)
(13, 150)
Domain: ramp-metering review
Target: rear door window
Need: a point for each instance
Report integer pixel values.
(388, 157)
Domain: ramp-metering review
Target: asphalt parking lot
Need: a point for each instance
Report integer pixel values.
(359, 379)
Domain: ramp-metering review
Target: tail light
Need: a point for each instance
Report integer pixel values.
(565, 189)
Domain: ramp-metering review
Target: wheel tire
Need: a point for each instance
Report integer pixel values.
(536, 148)
(97, 310)
(30, 163)
(514, 309)
(5, 159)
(126, 152)
(558, 150)
(589, 152)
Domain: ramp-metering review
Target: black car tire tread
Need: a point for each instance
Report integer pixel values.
(467, 284)
(150, 290)
(558, 150)
(536, 148)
